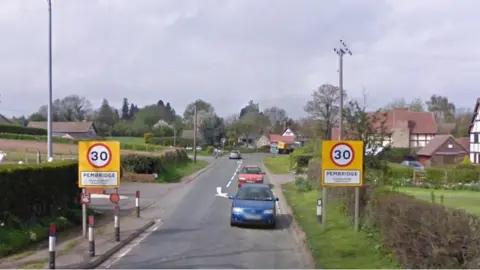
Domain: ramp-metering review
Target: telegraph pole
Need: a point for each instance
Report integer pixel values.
(49, 110)
(341, 51)
(195, 134)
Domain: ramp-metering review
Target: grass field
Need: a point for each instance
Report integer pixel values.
(178, 172)
(279, 164)
(339, 246)
(135, 140)
(459, 199)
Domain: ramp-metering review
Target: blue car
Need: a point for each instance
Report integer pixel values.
(253, 204)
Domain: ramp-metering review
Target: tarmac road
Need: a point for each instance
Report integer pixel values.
(196, 233)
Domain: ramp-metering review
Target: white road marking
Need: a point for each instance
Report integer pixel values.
(234, 174)
(229, 183)
(220, 194)
(124, 251)
(105, 196)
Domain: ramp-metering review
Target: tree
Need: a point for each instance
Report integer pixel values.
(204, 110)
(325, 107)
(250, 107)
(462, 122)
(443, 110)
(132, 111)
(213, 130)
(125, 110)
(105, 118)
(171, 114)
(149, 116)
(70, 108)
(416, 105)
(275, 115)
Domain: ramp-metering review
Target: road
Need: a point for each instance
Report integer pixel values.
(195, 231)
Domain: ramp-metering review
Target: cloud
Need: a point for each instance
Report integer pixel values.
(228, 52)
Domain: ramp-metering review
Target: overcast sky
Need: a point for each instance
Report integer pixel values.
(228, 52)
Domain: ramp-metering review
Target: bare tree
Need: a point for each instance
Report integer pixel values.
(325, 107)
(276, 115)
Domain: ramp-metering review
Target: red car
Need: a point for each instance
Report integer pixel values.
(250, 174)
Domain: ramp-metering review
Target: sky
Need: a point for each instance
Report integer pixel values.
(228, 52)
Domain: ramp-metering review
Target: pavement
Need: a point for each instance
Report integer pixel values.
(193, 229)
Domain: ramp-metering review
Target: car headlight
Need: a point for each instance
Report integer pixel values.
(268, 211)
(237, 209)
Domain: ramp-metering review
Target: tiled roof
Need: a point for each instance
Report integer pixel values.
(67, 127)
(434, 144)
(280, 138)
(464, 142)
(418, 122)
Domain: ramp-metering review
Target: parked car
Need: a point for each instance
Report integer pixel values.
(250, 174)
(253, 204)
(235, 154)
(414, 164)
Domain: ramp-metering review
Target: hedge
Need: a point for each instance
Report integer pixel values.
(33, 191)
(150, 164)
(42, 138)
(168, 141)
(16, 129)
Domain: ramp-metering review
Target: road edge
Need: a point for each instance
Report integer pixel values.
(102, 258)
(297, 231)
(189, 178)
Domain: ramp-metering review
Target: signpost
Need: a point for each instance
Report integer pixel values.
(98, 167)
(342, 166)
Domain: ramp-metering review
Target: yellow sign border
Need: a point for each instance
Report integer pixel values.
(84, 165)
(355, 165)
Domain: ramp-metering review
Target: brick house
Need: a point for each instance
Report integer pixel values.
(73, 130)
(408, 129)
(442, 150)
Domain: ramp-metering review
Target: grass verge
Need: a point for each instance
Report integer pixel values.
(458, 199)
(175, 173)
(339, 246)
(278, 164)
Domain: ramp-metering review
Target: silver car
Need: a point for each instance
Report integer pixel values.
(235, 154)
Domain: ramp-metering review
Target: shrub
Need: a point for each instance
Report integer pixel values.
(399, 172)
(436, 177)
(466, 160)
(149, 164)
(210, 149)
(169, 141)
(16, 129)
(148, 137)
(303, 185)
(34, 191)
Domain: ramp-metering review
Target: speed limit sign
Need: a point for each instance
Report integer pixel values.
(99, 164)
(342, 154)
(99, 155)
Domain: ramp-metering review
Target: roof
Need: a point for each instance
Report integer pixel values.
(434, 144)
(4, 120)
(67, 127)
(464, 142)
(418, 122)
(475, 112)
(280, 138)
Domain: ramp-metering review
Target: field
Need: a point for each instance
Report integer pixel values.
(135, 140)
(278, 164)
(26, 151)
(459, 199)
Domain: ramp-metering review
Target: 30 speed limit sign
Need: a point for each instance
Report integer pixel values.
(342, 163)
(99, 155)
(99, 164)
(342, 154)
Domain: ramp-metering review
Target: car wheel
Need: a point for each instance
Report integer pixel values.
(232, 223)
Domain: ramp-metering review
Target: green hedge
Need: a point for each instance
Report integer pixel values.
(42, 138)
(16, 129)
(153, 164)
(39, 190)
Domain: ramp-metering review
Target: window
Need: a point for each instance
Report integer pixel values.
(251, 170)
(255, 194)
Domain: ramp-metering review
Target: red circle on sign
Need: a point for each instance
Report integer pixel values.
(114, 198)
(109, 155)
(351, 150)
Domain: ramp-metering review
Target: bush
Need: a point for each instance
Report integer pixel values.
(210, 149)
(149, 164)
(148, 137)
(168, 141)
(303, 185)
(33, 191)
(16, 129)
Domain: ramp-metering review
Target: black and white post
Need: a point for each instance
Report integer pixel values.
(91, 236)
(319, 210)
(117, 227)
(137, 202)
(52, 240)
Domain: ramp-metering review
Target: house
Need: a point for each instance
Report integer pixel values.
(263, 141)
(83, 129)
(442, 150)
(474, 132)
(4, 120)
(288, 132)
(247, 140)
(408, 129)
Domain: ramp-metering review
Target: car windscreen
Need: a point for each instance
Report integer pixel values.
(251, 170)
(415, 164)
(254, 194)
(235, 152)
